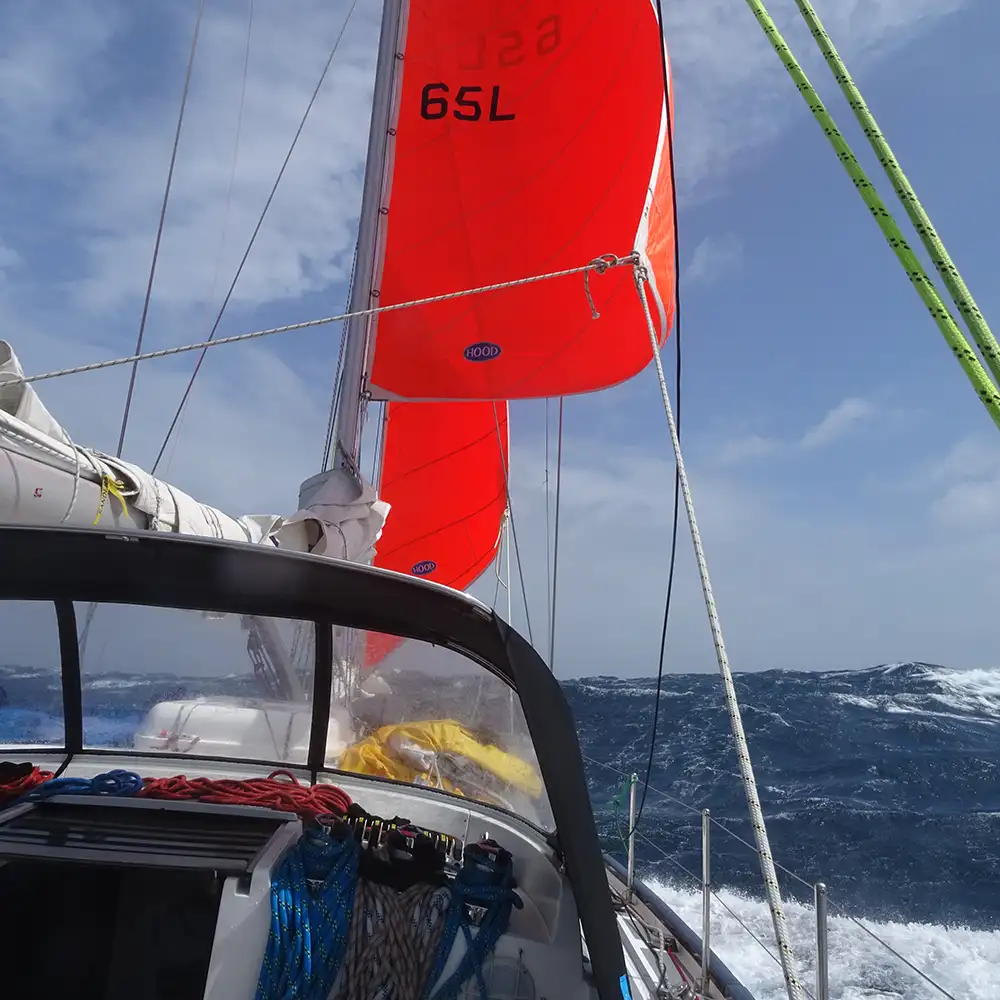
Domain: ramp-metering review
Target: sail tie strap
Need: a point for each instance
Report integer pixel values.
(114, 487)
(312, 896)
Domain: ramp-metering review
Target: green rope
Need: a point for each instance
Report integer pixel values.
(943, 263)
(620, 801)
(953, 336)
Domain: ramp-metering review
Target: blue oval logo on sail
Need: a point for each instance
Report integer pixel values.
(423, 568)
(483, 351)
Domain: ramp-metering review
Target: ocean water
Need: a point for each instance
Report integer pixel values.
(883, 783)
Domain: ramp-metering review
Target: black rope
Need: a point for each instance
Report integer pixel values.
(159, 230)
(253, 238)
(677, 408)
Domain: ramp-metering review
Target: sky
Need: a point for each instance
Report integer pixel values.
(846, 477)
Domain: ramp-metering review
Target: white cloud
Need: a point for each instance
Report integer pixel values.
(838, 422)
(112, 156)
(9, 259)
(714, 258)
(60, 64)
(967, 483)
(794, 590)
(732, 95)
(798, 586)
(745, 449)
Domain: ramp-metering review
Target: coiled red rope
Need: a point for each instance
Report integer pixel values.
(308, 801)
(18, 779)
(279, 790)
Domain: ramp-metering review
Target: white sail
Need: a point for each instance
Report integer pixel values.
(45, 478)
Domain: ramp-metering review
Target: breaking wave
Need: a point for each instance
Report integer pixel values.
(882, 783)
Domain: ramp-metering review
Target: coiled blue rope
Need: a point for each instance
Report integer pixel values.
(117, 782)
(312, 896)
(485, 879)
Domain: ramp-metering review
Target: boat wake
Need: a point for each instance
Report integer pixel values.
(960, 959)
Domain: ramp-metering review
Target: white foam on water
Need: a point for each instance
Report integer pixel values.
(965, 962)
(976, 692)
(961, 695)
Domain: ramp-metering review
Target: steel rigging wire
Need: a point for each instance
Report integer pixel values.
(677, 395)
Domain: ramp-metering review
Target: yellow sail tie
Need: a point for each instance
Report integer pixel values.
(114, 487)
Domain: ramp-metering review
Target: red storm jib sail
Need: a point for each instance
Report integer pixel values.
(444, 476)
(530, 136)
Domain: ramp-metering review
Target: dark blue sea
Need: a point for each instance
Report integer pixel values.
(882, 783)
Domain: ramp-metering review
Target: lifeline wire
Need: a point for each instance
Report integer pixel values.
(962, 297)
(159, 229)
(771, 887)
(253, 237)
(953, 336)
(599, 266)
(798, 878)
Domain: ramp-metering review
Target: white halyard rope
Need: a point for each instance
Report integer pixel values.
(598, 265)
(771, 887)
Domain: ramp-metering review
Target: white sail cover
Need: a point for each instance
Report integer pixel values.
(45, 478)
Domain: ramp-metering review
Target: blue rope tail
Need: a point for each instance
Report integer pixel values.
(486, 879)
(115, 783)
(312, 896)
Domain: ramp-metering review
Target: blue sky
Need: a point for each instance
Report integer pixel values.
(846, 476)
